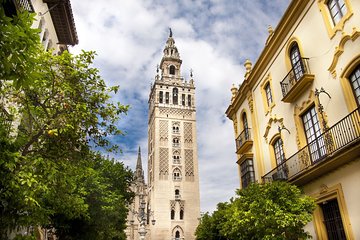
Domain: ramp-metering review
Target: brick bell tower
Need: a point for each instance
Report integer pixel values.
(173, 179)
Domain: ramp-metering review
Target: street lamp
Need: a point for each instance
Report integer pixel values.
(142, 216)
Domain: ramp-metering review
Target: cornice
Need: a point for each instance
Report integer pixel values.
(288, 20)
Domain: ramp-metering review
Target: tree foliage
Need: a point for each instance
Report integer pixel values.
(54, 109)
(275, 210)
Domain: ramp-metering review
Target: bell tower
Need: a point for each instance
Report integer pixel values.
(173, 179)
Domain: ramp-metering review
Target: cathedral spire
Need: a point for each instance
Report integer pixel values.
(170, 50)
(139, 173)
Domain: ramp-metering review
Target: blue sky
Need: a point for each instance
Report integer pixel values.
(214, 38)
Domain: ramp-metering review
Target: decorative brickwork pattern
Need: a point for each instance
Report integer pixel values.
(182, 113)
(164, 132)
(189, 165)
(164, 164)
(188, 137)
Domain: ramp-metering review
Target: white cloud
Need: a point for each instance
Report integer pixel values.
(213, 38)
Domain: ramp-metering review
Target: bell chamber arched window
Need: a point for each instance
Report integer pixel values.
(175, 96)
(296, 61)
(172, 70)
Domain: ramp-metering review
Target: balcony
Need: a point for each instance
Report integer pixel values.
(335, 147)
(177, 197)
(244, 141)
(296, 81)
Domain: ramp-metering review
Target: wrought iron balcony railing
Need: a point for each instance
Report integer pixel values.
(24, 5)
(295, 81)
(343, 134)
(243, 138)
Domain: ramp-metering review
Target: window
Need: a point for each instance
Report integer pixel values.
(175, 129)
(172, 69)
(355, 83)
(161, 97)
(268, 94)
(332, 220)
(247, 173)
(279, 151)
(175, 96)
(183, 99)
(176, 159)
(172, 214)
(337, 9)
(246, 127)
(189, 100)
(313, 134)
(167, 97)
(177, 235)
(181, 214)
(176, 175)
(176, 142)
(177, 192)
(296, 63)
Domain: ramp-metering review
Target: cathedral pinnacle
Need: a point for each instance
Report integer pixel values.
(139, 173)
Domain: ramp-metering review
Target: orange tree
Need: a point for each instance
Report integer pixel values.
(275, 210)
(58, 108)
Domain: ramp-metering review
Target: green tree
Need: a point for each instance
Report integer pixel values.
(275, 210)
(59, 110)
(209, 228)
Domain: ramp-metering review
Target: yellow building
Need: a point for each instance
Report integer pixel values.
(296, 115)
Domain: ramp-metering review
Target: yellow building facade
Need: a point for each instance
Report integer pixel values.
(296, 114)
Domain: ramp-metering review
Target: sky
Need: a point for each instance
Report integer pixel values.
(213, 37)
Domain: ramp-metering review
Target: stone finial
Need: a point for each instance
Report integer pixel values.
(248, 67)
(270, 30)
(234, 91)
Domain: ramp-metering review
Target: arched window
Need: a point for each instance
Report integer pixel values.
(181, 214)
(176, 142)
(296, 62)
(176, 175)
(189, 100)
(172, 214)
(167, 97)
(355, 83)
(172, 70)
(279, 151)
(246, 126)
(175, 96)
(177, 235)
(161, 97)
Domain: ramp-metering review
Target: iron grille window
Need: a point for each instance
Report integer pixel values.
(296, 63)
(183, 99)
(337, 10)
(268, 94)
(355, 83)
(332, 220)
(313, 134)
(189, 100)
(247, 173)
(279, 151)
